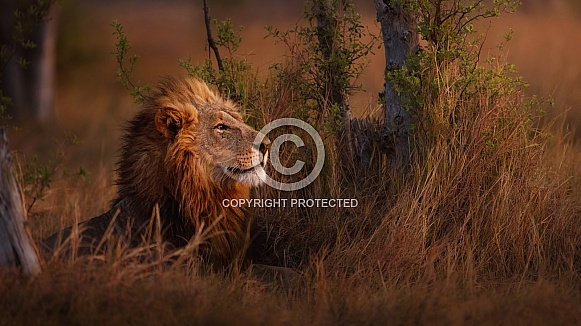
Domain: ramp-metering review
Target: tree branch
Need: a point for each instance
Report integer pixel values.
(211, 42)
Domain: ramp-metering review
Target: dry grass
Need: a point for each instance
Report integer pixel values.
(485, 228)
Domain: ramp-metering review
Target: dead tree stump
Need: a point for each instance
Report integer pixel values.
(16, 245)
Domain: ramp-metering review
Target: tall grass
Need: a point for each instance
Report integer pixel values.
(484, 227)
(489, 196)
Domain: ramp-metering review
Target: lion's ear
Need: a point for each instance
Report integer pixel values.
(169, 121)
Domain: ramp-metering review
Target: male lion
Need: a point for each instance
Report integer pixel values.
(187, 150)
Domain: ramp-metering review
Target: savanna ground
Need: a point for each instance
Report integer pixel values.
(484, 228)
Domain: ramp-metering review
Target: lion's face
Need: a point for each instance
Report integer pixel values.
(219, 138)
(230, 145)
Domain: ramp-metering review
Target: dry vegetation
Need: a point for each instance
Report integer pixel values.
(484, 228)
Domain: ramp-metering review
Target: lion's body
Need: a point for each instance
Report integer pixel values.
(186, 151)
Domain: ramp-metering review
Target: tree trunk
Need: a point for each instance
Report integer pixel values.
(327, 36)
(400, 39)
(16, 245)
(331, 87)
(31, 88)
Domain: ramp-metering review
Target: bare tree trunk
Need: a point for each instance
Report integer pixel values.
(16, 245)
(400, 39)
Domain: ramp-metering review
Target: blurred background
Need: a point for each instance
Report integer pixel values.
(90, 107)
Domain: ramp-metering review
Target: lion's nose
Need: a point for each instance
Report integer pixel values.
(264, 145)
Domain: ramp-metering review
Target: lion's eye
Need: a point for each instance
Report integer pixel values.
(221, 126)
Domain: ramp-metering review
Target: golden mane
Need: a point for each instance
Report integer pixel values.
(189, 199)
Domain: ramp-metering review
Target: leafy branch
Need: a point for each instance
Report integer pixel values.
(127, 64)
(233, 75)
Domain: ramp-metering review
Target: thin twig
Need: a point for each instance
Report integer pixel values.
(211, 42)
